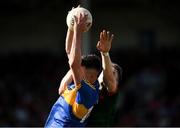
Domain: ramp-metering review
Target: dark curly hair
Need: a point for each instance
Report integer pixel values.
(91, 61)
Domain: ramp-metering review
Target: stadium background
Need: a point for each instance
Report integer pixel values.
(146, 45)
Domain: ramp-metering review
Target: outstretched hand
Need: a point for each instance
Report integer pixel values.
(104, 44)
(80, 21)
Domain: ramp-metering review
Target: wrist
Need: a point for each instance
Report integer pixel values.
(105, 53)
(78, 30)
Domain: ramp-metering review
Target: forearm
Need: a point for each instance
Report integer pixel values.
(75, 57)
(69, 38)
(75, 53)
(108, 76)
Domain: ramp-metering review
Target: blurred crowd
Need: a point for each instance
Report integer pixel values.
(148, 93)
(28, 87)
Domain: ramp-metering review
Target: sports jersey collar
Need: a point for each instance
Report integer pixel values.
(91, 85)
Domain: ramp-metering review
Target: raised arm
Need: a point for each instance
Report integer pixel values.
(75, 53)
(104, 46)
(67, 79)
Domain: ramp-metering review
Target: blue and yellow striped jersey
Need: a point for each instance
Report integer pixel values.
(74, 105)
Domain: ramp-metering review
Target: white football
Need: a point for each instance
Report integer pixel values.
(77, 11)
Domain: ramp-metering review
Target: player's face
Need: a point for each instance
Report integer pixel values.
(91, 75)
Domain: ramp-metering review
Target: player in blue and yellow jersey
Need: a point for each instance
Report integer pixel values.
(109, 78)
(82, 91)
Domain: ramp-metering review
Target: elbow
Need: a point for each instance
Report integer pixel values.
(112, 85)
(74, 63)
(113, 88)
(112, 91)
(59, 91)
